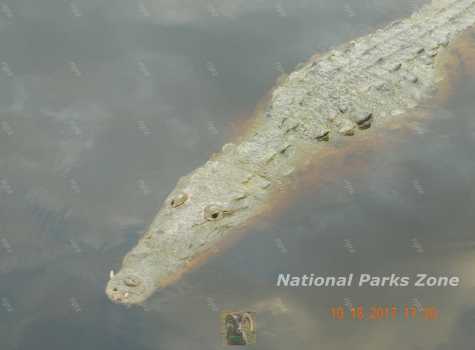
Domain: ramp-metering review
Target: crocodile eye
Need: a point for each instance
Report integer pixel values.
(178, 200)
(132, 281)
(213, 212)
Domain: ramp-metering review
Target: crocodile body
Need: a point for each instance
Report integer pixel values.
(344, 92)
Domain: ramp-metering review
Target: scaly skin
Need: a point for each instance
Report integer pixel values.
(370, 80)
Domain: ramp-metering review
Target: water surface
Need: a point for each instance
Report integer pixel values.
(104, 105)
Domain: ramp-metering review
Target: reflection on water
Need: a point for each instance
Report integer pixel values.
(104, 105)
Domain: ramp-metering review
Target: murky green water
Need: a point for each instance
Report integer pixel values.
(103, 105)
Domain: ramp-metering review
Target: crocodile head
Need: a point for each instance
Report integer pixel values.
(194, 217)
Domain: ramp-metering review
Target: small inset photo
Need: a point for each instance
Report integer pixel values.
(238, 327)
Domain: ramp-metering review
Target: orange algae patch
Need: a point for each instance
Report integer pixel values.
(465, 48)
(247, 123)
(457, 61)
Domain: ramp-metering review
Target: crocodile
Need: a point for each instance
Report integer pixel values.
(344, 92)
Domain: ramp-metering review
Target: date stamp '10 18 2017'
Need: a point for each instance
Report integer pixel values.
(378, 312)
